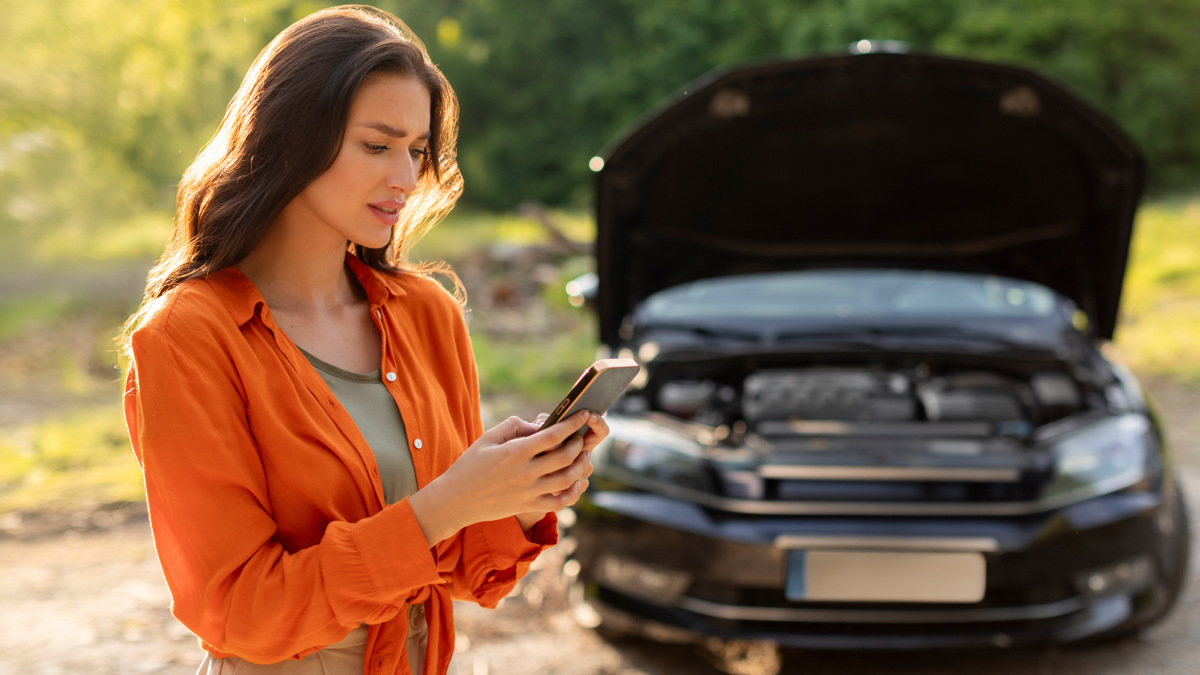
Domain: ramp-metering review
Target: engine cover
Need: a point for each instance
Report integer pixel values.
(828, 394)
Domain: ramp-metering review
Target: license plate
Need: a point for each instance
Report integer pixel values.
(885, 576)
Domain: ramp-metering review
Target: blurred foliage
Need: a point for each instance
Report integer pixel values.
(546, 85)
(103, 103)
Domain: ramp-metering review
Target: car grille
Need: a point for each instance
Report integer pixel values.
(888, 491)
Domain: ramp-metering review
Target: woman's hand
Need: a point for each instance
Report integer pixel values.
(514, 468)
(597, 431)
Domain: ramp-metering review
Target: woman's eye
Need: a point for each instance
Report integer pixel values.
(419, 153)
(375, 148)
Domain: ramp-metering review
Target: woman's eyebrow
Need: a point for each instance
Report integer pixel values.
(391, 130)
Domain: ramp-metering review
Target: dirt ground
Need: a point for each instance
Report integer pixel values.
(84, 594)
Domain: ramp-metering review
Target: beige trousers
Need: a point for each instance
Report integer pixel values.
(342, 658)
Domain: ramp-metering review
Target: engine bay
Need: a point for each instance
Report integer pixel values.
(751, 398)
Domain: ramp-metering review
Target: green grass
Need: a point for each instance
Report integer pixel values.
(21, 313)
(466, 231)
(80, 459)
(141, 236)
(1159, 330)
(541, 369)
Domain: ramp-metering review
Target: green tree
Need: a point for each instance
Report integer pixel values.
(103, 104)
(546, 85)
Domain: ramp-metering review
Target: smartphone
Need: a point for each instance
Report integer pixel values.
(596, 389)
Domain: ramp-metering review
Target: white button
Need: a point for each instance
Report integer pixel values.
(391, 377)
(417, 444)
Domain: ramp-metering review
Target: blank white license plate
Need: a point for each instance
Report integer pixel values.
(885, 576)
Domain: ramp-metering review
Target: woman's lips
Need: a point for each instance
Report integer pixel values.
(387, 212)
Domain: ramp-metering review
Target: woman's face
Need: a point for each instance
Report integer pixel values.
(386, 141)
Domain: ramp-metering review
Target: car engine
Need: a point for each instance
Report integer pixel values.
(913, 393)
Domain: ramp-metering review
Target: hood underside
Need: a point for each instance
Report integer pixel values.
(873, 160)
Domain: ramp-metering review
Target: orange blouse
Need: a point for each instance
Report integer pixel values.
(265, 501)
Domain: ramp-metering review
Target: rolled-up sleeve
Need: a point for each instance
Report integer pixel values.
(491, 557)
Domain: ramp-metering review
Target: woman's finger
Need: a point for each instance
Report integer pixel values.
(553, 435)
(510, 429)
(558, 458)
(562, 479)
(597, 431)
(565, 498)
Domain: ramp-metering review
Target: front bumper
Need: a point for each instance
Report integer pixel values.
(1060, 576)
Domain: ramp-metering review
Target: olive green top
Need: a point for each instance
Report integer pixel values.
(375, 414)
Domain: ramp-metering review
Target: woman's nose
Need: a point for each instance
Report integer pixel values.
(403, 176)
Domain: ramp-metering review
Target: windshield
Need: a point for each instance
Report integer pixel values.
(843, 294)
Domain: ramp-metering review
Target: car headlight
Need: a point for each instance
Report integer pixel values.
(638, 462)
(648, 456)
(1104, 457)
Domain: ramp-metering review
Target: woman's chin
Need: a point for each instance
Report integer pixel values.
(372, 242)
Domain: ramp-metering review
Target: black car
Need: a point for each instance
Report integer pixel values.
(870, 295)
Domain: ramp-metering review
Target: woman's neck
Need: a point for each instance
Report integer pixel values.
(313, 296)
(296, 273)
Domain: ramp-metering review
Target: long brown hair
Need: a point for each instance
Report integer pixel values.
(284, 128)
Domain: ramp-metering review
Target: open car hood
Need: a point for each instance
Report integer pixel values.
(871, 160)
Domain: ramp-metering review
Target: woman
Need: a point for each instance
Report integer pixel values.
(303, 405)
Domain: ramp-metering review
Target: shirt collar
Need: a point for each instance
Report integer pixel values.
(243, 299)
(380, 286)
